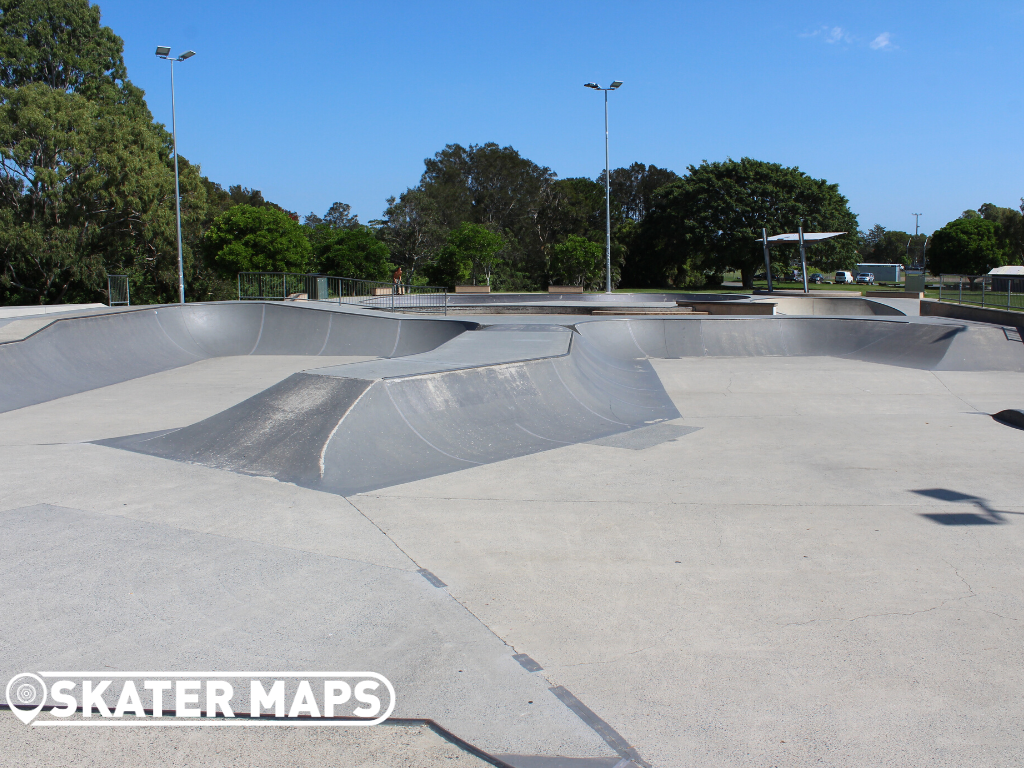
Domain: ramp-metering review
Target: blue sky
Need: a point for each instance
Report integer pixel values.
(908, 106)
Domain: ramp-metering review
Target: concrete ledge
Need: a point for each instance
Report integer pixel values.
(472, 289)
(895, 294)
(678, 312)
(565, 289)
(730, 307)
(933, 308)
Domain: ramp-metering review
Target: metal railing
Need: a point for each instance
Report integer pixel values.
(995, 291)
(117, 291)
(370, 294)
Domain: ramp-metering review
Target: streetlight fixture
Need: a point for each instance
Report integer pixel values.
(607, 186)
(164, 52)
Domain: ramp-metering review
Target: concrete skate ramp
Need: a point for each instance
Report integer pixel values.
(906, 343)
(829, 306)
(78, 354)
(334, 430)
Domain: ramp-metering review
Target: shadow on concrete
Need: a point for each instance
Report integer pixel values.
(985, 516)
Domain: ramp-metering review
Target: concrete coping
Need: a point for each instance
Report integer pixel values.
(730, 307)
(895, 294)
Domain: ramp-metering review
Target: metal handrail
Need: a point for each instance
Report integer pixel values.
(997, 291)
(370, 294)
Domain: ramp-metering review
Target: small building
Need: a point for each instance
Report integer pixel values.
(1007, 278)
(884, 273)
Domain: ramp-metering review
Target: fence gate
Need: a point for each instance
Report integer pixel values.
(117, 291)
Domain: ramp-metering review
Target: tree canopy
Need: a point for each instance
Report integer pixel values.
(87, 190)
(970, 246)
(470, 255)
(248, 239)
(710, 220)
(350, 252)
(578, 261)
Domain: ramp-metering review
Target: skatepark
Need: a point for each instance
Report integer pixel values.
(570, 540)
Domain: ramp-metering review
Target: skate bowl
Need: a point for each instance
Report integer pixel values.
(71, 355)
(443, 394)
(541, 529)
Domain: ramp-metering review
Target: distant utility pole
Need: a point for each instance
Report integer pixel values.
(607, 187)
(917, 217)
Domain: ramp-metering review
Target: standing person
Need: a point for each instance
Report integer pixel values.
(396, 278)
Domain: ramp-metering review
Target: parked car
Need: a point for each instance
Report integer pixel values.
(844, 277)
(817, 277)
(866, 278)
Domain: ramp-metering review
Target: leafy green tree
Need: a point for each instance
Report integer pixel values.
(411, 230)
(248, 239)
(577, 261)
(633, 188)
(488, 185)
(574, 206)
(710, 220)
(1011, 229)
(86, 179)
(338, 216)
(970, 246)
(85, 186)
(350, 252)
(471, 253)
(62, 45)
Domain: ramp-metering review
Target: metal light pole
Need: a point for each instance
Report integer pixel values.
(607, 187)
(917, 221)
(164, 52)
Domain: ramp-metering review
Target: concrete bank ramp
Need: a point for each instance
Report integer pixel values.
(903, 342)
(485, 396)
(828, 305)
(74, 355)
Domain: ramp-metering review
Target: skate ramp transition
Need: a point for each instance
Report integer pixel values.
(444, 395)
(71, 355)
(510, 390)
(363, 426)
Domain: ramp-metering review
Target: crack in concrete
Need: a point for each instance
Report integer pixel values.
(942, 604)
(621, 656)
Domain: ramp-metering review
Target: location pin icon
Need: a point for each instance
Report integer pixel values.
(26, 695)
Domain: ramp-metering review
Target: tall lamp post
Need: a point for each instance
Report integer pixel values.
(917, 221)
(607, 187)
(164, 52)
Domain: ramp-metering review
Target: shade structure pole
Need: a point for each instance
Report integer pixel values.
(767, 260)
(803, 257)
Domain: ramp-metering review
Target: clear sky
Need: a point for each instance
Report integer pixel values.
(908, 106)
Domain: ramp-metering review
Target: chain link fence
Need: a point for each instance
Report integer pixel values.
(389, 297)
(995, 291)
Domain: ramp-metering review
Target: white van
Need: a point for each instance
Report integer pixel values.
(845, 277)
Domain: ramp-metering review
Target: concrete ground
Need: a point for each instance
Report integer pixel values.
(818, 564)
(386, 746)
(827, 572)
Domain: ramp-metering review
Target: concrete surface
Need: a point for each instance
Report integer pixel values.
(974, 312)
(827, 571)
(814, 558)
(388, 746)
